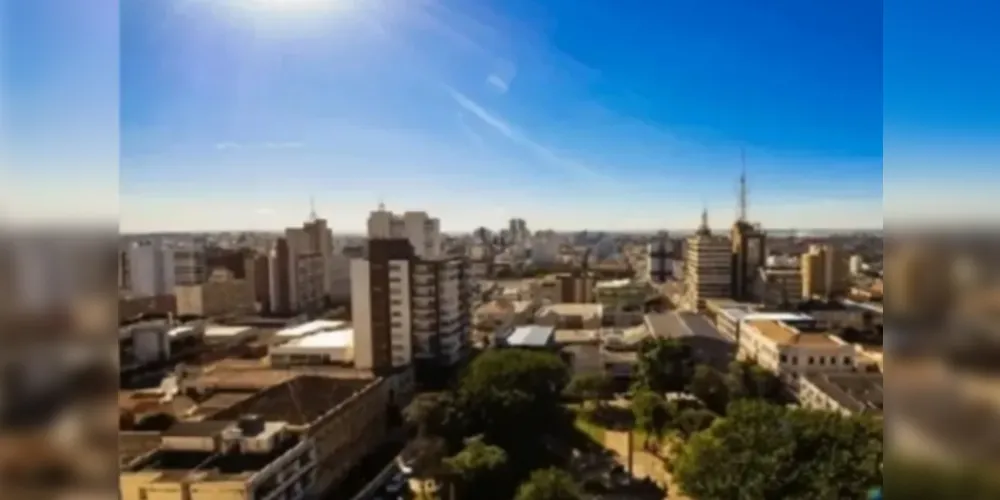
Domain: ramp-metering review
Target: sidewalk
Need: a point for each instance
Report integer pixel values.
(644, 464)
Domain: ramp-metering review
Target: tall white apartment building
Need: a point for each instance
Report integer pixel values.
(422, 231)
(409, 309)
(150, 270)
(707, 266)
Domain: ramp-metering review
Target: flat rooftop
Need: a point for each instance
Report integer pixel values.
(311, 327)
(196, 465)
(782, 333)
(665, 324)
(325, 339)
(744, 315)
(858, 392)
(531, 336)
(622, 283)
(132, 445)
(298, 401)
(224, 331)
(568, 309)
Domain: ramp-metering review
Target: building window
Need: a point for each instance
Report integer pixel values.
(784, 358)
(811, 360)
(795, 360)
(847, 360)
(396, 314)
(822, 360)
(396, 302)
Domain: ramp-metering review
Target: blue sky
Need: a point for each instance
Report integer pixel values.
(570, 114)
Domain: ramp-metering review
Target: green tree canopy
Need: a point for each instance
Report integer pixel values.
(651, 413)
(747, 380)
(691, 421)
(711, 387)
(549, 484)
(511, 393)
(664, 365)
(768, 451)
(435, 414)
(476, 465)
(590, 386)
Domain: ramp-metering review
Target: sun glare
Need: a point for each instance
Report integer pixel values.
(310, 6)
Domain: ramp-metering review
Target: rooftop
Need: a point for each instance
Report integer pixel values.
(783, 333)
(311, 327)
(324, 339)
(568, 309)
(666, 324)
(622, 283)
(299, 401)
(743, 315)
(203, 465)
(223, 331)
(531, 336)
(132, 445)
(858, 392)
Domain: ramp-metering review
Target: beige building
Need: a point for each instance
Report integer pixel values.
(343, 419)
(624, 300)
(793, 348)
(920, 281)
(571, 316)
(824, 272)
(844, 393)
(221, 295)
(422, 231)
(501, 314)
(707, 267)
(779, 286)
(249, 459)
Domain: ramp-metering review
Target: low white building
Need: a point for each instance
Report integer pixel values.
(794, 348)
(323, 347)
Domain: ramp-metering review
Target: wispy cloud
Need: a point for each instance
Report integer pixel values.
(574, 168)
(498, 83)
(222, 146)
(502, 78)
(468, 130)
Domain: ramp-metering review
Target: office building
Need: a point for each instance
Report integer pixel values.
(824, 272)
(708, 263)
(221, 295)
(297, 276)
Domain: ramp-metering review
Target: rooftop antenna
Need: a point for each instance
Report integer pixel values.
(703, 228)
(312, 209)
(743, 186)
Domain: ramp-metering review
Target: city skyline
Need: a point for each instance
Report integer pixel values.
(231, 118)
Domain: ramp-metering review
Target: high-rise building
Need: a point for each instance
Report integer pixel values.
(423, 232)
(921, 283)
(856, 265)
(707, 264)
(661, 257)
(824, 272)
(749, 250)
(297, 272)
(409, 307)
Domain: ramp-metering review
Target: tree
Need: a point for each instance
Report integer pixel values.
(692, 421)
(590, 387)
(549, 484)
(769, 451)
(427, 456)
(512, 393)
(664, 365)
(477, 463)
(711, 387)
(435, 414)
(651, 414)
(747, 380)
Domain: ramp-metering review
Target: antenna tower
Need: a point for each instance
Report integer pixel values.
(743, 185)
(312, 209)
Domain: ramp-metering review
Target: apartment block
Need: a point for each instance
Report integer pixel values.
(296, 281)
(422, 231)
(707, 267)
(824, 271)
(221, 295)
(662, 254)
(777, 287)
(407, 309)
